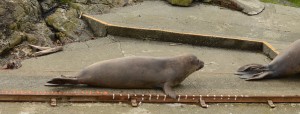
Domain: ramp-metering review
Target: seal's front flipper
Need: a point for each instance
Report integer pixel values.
(251, 69)
(260, 76)
(169, 91)
(252, 72)
(62, 81)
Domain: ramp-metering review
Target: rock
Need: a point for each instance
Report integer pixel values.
(21, 21)
(180, 2)
(68, 23)
(48, 5)
(93, 9)
(207, 1)
(250, 7)
(81, 1)
(15, 39)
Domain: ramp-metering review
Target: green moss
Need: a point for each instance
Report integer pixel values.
(294, 3)
(64, 1)
(270, 1)
(181, 2)
(75, 6)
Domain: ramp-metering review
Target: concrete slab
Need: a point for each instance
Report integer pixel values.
(275, 24)
(216, 78)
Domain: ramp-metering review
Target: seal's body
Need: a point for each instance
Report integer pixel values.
(286, 63)
(136, 72)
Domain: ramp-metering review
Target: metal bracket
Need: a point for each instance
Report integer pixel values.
(134, 103)
(53, 102)
(203, 104)
(271, 104)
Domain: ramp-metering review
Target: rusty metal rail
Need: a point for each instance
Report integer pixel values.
(135, 99)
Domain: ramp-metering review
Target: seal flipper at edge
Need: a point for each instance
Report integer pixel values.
(253, 72)
(62, 81)
(260, 76)
(169, 91)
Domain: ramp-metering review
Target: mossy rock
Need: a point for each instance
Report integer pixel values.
(32, 39)
(15, 39)
(180, 2)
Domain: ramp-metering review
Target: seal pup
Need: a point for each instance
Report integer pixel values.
(136, 72)
(285, 64)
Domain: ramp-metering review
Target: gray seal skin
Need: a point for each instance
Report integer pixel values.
(136, 72)
(285, 64)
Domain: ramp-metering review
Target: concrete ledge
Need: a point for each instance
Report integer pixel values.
(100, 26)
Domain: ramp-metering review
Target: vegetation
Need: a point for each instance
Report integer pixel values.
(64, 1)
(294, 3)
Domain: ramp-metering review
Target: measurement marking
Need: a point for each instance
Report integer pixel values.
(178, 98)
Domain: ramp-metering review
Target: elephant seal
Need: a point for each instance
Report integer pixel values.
(136, 72)
(285, 64)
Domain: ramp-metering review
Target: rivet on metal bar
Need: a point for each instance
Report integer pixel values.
(203, 104)
(157, 96)
(178, 98)
(53, 102)
(165, 97)
(271, 104)
(121, 95)
(134, 103)
(193, 97)
(214, 97)
(221, 96)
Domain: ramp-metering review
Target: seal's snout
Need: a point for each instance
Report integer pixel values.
(201, 64)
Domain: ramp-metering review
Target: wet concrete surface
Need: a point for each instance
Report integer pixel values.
(277, 24)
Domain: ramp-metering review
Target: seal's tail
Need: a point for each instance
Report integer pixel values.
(253, 72)
(62, 81)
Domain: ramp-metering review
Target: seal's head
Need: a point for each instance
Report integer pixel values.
(192, 62)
